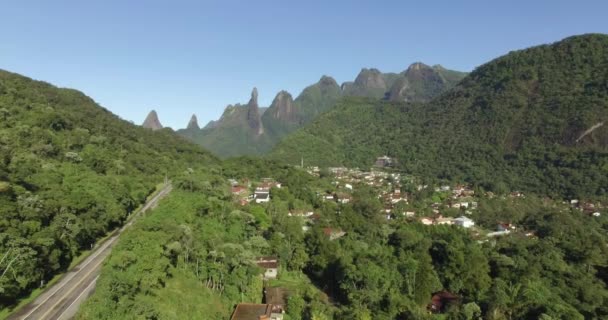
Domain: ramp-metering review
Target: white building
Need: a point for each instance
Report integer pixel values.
(464, 222)
(262, 197)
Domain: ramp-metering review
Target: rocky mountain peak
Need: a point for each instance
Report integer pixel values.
(370, 78)
(417, 66)
(282, 107)
(253, 114)
(193, 123)
(254, 96)
(152, 121)
(327, 81)
(421, 72)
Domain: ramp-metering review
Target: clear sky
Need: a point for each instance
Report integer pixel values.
(185, 57)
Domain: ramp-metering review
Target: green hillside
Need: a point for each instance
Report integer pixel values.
(531, 120)
(70, 171)
(231, 137)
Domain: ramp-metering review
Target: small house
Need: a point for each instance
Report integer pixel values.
(441, 300)
(270, 266)
(444, 221)
(464, 222)
(262, 197)
(255, 311)
(426, 221)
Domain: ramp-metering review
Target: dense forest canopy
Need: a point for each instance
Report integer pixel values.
(532, 120)
(70, 171)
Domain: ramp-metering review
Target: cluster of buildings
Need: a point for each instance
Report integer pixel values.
(390, 200)
(461, 221)
(586, 207)
(241, 191)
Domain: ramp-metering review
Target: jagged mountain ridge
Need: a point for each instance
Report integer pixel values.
(224, 137)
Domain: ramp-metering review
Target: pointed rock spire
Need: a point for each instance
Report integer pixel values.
(253, 113)
(193, 123)
(152, 121)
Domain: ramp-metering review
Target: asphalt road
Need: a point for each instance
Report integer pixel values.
(61, 301)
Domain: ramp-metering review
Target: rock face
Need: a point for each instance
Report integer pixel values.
(369, 83)
(152, 121)
(211, 124)
(423, 73)
(193, 123)
(327, 82)
(282, 107)
(253, 114)
(421, 83)
(371, 79)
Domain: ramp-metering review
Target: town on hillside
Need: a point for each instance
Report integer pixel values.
(404, 199)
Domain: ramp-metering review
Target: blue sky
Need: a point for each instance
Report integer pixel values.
(185, 57)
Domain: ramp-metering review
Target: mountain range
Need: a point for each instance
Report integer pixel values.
(250, 130)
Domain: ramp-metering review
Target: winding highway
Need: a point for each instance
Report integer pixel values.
(61, 301)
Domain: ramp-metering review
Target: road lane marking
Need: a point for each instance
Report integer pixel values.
(80, 295)
(72, 289)
(91, 259)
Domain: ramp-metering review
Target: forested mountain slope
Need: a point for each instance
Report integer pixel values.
(69, 172)
(531, 120)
